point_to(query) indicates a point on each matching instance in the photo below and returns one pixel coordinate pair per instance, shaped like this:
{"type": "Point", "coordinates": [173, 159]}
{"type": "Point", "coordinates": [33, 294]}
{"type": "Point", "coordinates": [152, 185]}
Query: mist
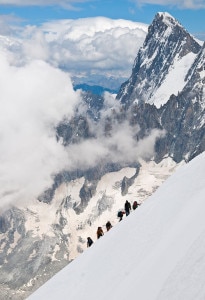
{"type": "Point", "coordinates": [34, 98]}
{"type": "Point", "coordinates": [119, 147]}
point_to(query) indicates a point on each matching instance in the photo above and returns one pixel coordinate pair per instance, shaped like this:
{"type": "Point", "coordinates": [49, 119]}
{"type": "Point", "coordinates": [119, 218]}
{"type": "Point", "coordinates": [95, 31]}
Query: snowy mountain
{"type": "Point", "coordinates": [167, 84]}
{"type": "Point", "coordinates": [168, 53]}
{"type": "Point", "coordinates": [117, 149]}
{"type": "Point", "coordinates": [156, 253]}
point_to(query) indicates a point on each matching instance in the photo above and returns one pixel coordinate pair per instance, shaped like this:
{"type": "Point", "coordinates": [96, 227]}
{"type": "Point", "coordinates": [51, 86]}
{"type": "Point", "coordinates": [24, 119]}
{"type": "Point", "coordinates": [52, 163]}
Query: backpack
{"type": "Point", "coordinates": [119, 214]}
{"type": "Point", "coordinates": [135, 204]}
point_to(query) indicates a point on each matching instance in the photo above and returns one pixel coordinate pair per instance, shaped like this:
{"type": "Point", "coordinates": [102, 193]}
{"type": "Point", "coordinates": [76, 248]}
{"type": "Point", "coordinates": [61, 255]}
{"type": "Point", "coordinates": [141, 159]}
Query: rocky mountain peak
{"type": "Point", "coordinates": [167, 30]}
{"type": "Point", "coordinates": [166, 43]}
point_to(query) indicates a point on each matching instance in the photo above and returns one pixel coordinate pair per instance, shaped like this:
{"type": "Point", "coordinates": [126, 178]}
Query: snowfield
{"type": "Point", "coordinates": [155, 253]}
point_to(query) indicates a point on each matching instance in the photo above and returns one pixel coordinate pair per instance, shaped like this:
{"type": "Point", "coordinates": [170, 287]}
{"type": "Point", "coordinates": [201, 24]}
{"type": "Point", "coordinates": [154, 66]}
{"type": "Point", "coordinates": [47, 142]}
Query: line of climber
{"type": "Point", "coordinates": [127, 209]}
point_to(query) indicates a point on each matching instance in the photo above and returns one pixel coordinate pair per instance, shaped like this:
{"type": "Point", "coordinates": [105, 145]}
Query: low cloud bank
{"type": "Point", "coordinates": [120, 147]}
{"type": "Point", "coordinates": [33, 100]}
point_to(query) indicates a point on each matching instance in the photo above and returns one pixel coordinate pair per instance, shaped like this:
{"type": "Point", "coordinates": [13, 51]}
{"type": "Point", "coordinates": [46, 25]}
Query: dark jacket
{"type": "Point", "coordinates": [89, 242]}
{"type": "Point", "coordinates": [108, 225]}
{"type": "Point", "coordinates": [127, 206]}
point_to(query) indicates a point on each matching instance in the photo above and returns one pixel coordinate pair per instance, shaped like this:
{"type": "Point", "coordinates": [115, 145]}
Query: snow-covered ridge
{"type": "Point", "coordinates": [170, 85]}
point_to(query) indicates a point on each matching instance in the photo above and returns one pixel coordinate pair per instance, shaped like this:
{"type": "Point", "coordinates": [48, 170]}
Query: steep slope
{"type": "Point", "coordinates": [168, 51]}
{"type": "Point", "coordinates": [156, 253]}
{"type": "Point", "coordinates": [38, 240]}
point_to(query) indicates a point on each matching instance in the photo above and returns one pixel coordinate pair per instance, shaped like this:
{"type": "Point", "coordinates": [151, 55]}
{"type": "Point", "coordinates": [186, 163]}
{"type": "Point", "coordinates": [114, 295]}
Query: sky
{"type": "Point", "coordinates": [157, 252]}
{"type": "Point", "coordinates": [189, 12]}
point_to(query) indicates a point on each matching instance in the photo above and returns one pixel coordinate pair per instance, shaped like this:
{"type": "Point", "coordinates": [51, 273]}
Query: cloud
{"type": "Point", "coordinates": [120, 146]}
{"type": "Point", "coordinates": [67, 4]}
{"type": "Point", "coordinates": [82, 47]}
{"type": "Point", "coordinates": [183, 4]}
{"type": "Point", "coordinates": [33, 100]}
{"type": "Point", "coordinates": [7, 24]}
{"type": "Point", "coordinates": [71, 4]}
{"type": "Point", "coordinates": [35, 95]}
{"type": "Point", "coordinates": [36, 47]}
{"type": "Point", "coordinates": [95, 45]}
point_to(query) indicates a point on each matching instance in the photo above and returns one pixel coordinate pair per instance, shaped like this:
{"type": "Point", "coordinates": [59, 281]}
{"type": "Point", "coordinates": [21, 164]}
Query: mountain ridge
{"type": "Point", "coordinates": [155, 58]}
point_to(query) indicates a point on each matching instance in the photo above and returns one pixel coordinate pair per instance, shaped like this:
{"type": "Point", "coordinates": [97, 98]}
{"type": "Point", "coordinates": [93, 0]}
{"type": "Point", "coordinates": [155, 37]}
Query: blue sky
{"type": "Point", "coordinates": [190, 14]}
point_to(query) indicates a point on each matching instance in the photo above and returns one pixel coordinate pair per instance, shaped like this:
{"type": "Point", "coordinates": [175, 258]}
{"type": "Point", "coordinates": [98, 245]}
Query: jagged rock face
{"type": "Point", "coordinates": [165, 41]}
{"type": "Point", "coordinates": [27, 260]}
{"type": "Point", "coordinates": [182, 115]}
{"type": "Point", "coordinates": [186, 137]}
{"type": "Point", "coordinates": [195, 85]}
{"type": "Point", "coordinates": [74, 130]}
{"type": "Point", "coordinates": [127, 182]}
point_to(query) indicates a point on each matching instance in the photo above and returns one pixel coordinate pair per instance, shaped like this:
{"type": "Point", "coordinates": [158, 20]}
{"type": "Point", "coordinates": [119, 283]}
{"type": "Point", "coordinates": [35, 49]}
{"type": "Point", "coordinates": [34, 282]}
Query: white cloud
{"type": "Point", "coordinates": [120, 146]}
{"type": "Point", "coordinates": [186, 4]}
{"type": "Point", "coordinates": [33, 99]}
{"type": "Point", "coordinates": [36, 47]}
{"type": "Point", "coordinates": [70, 4]}
{"type": "Point", "coordinates": [35, 96]}
{"type": "Point", "coordinates": [64, 3]}
{"type": "Point", "coordinates": [5, 24]}
{"type": "Point", "coordinates": [84, 46]}
{"type": "Point", "coordinates": [81, 47]}
{"type": "Point", "coordinates": [95, 44]}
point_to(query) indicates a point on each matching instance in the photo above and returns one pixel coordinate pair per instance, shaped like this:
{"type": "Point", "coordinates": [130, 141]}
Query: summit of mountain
{"type": "Point", "coordinates": [168, 52]}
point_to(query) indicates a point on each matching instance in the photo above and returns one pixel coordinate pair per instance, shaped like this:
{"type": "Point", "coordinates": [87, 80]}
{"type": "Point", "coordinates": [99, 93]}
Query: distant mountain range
{"type": "Point", "coordinates": [162, 101]}
{"type": "Point", "coordinates": [94, 89]}
{"type": "Point", "coordinates": [95, 82]}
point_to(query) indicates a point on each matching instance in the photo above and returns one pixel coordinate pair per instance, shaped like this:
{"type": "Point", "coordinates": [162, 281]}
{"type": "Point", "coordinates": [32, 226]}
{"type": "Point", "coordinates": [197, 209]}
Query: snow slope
{"type": "Point", "coordinates": [156, 253]}
{"type": "Point", "coordinates": [170, 85]}
{"type": "Point", "coordinates": [103, 206]}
